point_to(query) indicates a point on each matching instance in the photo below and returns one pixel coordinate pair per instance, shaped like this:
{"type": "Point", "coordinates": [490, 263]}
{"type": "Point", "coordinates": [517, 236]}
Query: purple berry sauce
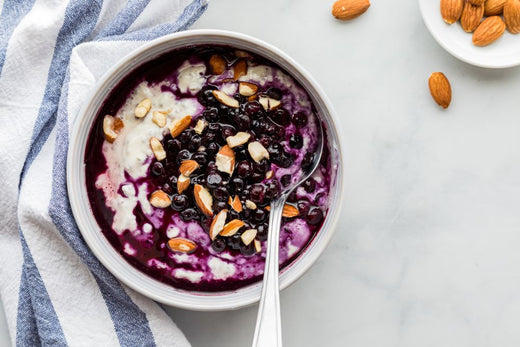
{"type": "Point", "coordinates": [184, 80]}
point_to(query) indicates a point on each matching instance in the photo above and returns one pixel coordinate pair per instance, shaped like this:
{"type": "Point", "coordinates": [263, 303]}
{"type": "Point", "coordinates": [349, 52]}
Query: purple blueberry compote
{"type": "Point", "coordinates": [187, 153]}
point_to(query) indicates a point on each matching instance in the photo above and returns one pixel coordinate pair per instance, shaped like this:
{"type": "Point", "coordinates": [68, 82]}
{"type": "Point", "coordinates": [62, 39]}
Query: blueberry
{"type": "Point", "coordinates": [242, 121]}
{"type": "Point", "coordinates": [234, 241]}
{"type": "Point", "coordinates": [243, 169]}
{"type": "Point", "coordinates": [315, 216]}
{"type": "Point", "coordinates": [212, 167]}
{"type": "Point", "coordinates": [219, 206]}
{"type": "Point", "coordinates": [247, 250]}
{"type": "Point", "coordinates": [262, 231]}
{"type": "Point", "coordinates": [179, 202]}
{"type": "Point", "coordinates": [307, 161]}
{"type": "Point", "coordinates": [254, 108]}
{"type": "Point", "coordinates": [214, 127]}
{"type": "Point", "coordinates": [263, 166]}
{"type": "Point", "coordinates": [309, 185]}
{"type": "Point", "coordinates": [240, 98]}
{"type": "Point", "coordinates": [257, 194]}
{"type": "Point", "coordinates": [201, 158]}
{"type": "Point", "coordinates": [299, 119]}
{"type": "Point", "coordinates": [167, 188]}
{"type": "Point", "coordinates": [265, 140]}
{"type": "Point", "coordinates": [272, 190]}
{"type": "Point", "coordinates": [212, 148]}
{"type": "Point", "coordinates": [279, 131]}
{"type": "Point", "coordinates": [195, 142]}
{"type": "Point", "coordinates": [238, 184]}
{"type": "Point", "coordinates": [241, 153]}
{"type": "Point", "coordinates": [201, 179]}
{"type": "Point", "coordinates": [296, 141]}
{"type": "Point", "coordinates": [274, 93]}
{"type": "Point", "coordinates": [303, 207]}
{"type": "Point", "coordinates": [173, 146]}
{"type": "Point", "coordinates": [173, 181]}
{"type": "Point", "coordinates": [283, 159]}
{"type": "Point", "coordinates": [221, 193]}
{"type": "Point", "coordinates": [157, 168]}
{"type": "Point", "coordinates": [259, 215]}
{"type": "Point", "coordinates": [218, 245]}
{"type": "Point", "coordinates": [213, 180]}
{"type": "Point", "coordinates": [182, 155]}
{"type": "Point", "coordinates": [285, 180]}
{"type": "Point", "coordinates": [281, 116]}
{"type": "Point", "coordinates": [206, 96]}
{"type": "Point", "coordinates": [189, 214]}
{"type": "Point", "coordinates": [211, 114]}
{"type": "Point", "coordinates": [227, 131]}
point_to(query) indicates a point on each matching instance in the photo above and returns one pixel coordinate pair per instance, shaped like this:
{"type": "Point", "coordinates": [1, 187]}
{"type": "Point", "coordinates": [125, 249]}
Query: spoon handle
{"type": "Point", "coordinates": [268, 331]}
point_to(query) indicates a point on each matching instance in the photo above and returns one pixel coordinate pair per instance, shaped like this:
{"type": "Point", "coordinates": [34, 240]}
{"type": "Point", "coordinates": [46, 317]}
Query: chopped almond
{"type": "Point", "coordinates": [157, 148]}
{"type": "Point", "coordinates": [248, 236]}
{"type": "Point", "coordinates": [180, 244]}
{"type": "Point", "coordinates": [239, 139]}
{"type": "Point", "coordinates": [203, 199]}
{"type": "Point", "coordinates": [218, 224]}
{"type": "Point", "coordinates": [188, 166]}
{"type": "Point", "coordinates": [159, 118]}
{"type": "Point", "coordinates": [178, 125]}
{"type": "Point", "coordinates": [258, 246]}
{"type": "Point", "coordinates": [257, 151]}
{"type": "Point", "coordinates": [251, 205]}
{"type": "Point", "coordinates": [225, 99]}
{"type": "Point", "coordinates": [183, 183]}
{"type": "Point", "coordinates": [217, 64]}
{"type": "Point", "coordinates": [289, 211]}
{"type": "Point", "coordinates": [143, 108]}
{"type": "Point", "coordinates": [247, 89]}
{"type": "Point", "coordinates": [269, 174]}
{"type": "Point", "coordinates": [239, 69]}
{"type": "Point", "coordinates": [111, 127]}
{"type": "Point", "coordinates": [232, 227]}
{"type": "Point", "coordinates": [199, 127]}
{"type": "Point", "coordinates": [160, 199]}
{"type": "Point", "coordinates": [269, 103]}
{"type": "Point", "coordinates": [235, 203]}
{"type": "Point", "coordinates": [225, 160]}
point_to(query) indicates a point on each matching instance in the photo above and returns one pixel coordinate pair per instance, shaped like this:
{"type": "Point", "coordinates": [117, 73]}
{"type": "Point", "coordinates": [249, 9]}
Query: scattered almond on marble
{"type": "Point", "coordinates": [440, 89]}
{"type": "Point", "coordinates": [349, 9]}
{"type": "Point", "coordinates": [471, 16]}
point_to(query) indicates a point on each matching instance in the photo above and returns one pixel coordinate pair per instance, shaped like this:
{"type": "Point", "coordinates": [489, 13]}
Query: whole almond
{"type": "Point", "coordinates": [493, 7]}
{"type": "Point", "coordinates": [477, 2]}
{"type": "Point", "coordinates": [451, 10]}
{"type": "Point", "coordinates": [471, 16]}
{"type": "Point", "coordinates": [512, 16]}
{"type": "Point", "coordinates": [489, 31]}
{"type": "Point", "coordinates": [349, 9]}
{"type": "Point", "coordinates": [440, 89]}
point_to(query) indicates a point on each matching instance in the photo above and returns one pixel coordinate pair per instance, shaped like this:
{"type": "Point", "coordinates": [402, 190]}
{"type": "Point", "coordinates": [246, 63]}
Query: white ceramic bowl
{"type": "Point", "coordinates": [90, 230]}
{"type": "Point", "coordinates": [505, 52]}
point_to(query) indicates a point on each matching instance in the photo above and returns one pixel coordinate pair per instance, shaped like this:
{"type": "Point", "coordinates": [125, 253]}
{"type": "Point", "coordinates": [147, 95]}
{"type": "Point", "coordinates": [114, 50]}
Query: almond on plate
{"type": "Point", "coordinates": [489, 31]}
{"type": "Point", "coordinates": [451, 10]}
{"type": "Point", "coordinates": [180, 244]}
{"type": "Point", "coordinates": [111, 127]}
{"type": "Point", "coordinates": [512, 16]}
{"type": "Point", "coordinates": [349, 9]}
{"type": "Point", "coordinates": [203, 199]}
{"type": "Point", "coordinates": [471, 16]}
{"type": "Point", "coordinates": [440, 89]}
{"type": "Point", "coordinates": [494, 7]}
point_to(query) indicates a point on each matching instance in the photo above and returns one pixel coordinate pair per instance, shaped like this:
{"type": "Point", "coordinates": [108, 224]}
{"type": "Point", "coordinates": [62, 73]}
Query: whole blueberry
{"type": "Point", "coordinates": [213, 180]}
{"type": "Point", "coordinates": [218, 245]}
{"type": "Point", "coordinates": [274, 93]}
{"type": "Point", "coordinates": [157, 168]}
{"type": "Point", "coordinates": [257, 194]}
{"type": "Point", "coordinates": [309, 185]}
{"type": "Point", "coordinates": [179, 202]}
{"type": "Point", "coordinates": [296, 141]}
{"type": "Point", "coordinates": [243, 169]}
{"type": "Point", "coordinates": [281, 116]}
{"type": "Point", "coordinates": [299, 119]}
{"type": "Point", "coordinates": [315, 216]}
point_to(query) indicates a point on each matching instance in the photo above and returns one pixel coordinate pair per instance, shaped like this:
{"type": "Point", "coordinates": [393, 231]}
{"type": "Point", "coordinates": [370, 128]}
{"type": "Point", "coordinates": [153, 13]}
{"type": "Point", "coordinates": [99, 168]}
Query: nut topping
{"type": "Point", "coordinates": [235, 203]}
{"type": "Point", "coordinates": [251, 205]}
{"type": "Point", "coordinates": [248, 236]}
{"type": "Point", "coordinates": [258, 246]}
{"type": "Point", "coordinates": [225, 99]}
{"type": "Point", "coordinates": [160, 199]}
{"type": "Point", "coordinates": [143, 108]}
{"type": "Point", "coordinates": [257, 151]}
{"type": "Point", "coordinates": [240, 69]}
{"type": "Point", "coordinates": [180, 244]}
{"type": "Point", "coordinates": [225, 160]}
{"type": "Point", "coordinates": [183, 183]}
{"type": "Point", "coordinates": [157, 148]}
{"type": "Point", "coordinates": [159, 118]}
{"type": "Point", "coordinates": [111, 127]}
{"type": "Point", "coordinates": [239, 139]}
{"type": "Point", "coordinates": [269, 103]}
{"type": "Point", "coordinates": [199, 127]}
{"type": "Point", "coordinates": [217, 64]}
{"type": "Point", "coordinates": [179, 125]}
{"type": "Point", "coordinates": [188, 167]}
{"type": "Point", "coordinates": [247, 89]}
{"type": "Point", "coordinates": [203, 199]}
{"type": "Point", "coordinates": [289, 211]}
{"type": "Point", "coordinates": [218, 224]}
{"type": "Point", "coordinates": [232, 227]}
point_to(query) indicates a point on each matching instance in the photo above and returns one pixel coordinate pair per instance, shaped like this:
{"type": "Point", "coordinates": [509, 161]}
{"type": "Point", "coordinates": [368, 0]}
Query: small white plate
{"type": "Point", "coordinates": [505, 52]}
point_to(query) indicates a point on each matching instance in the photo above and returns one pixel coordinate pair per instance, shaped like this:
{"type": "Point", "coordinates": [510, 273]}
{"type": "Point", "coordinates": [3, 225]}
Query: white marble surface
{"type": "Point", "coordinates": [427, 252]}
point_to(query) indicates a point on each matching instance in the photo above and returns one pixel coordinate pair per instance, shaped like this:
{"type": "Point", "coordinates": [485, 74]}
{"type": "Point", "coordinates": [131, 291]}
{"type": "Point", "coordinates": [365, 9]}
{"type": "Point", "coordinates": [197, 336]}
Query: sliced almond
{"type": "Point", "coordinates": [159, 118]}
{"type": "Point", "coordinates": [180, 244]}
{"type": "Point", "coordinates": [251, 205]}
{"type": "Point", "coordinates": [178, 125]}
{"type": "Point", "coordinates": [225, 99]}
{"type": "Point", "coordinates": [232, 227]}
{"type": "Point", "coordinates": [188, 166]}
{"type": "Point", "coordinates": [248, 236]}
{"type": "Point", "coordinates": [183, 183]}
{"type": "Point", "coordinates": [247, 89]}
{"type": "Point", "coordinates": [239, 139]}
{"type": "Point", "coordinates": [203, 199]}
{"type": "Point", "coordinates": [257, 151]}
{"type": "Point", "coordinates": [242, 54]}
{"type": "Point", "coordinates": [225, 160]}
{"type": "Point", "coordinates": [142, 108]}
{"type": "Point", "coordinates": [157, 148]}
{"type": "Point", "coordinates": [218, 224]}
{"type": "Point", "coordinates": [258, 246]}
{"type": "Point", "coordinates": [239, 69]}
{"type": "Point", "coordinates": [111, 127]}
{"type": "Point", "coordinates": [199, 127]}
{"type": "Point", "coordinates": [269, 174]}
{"type": "Point", "coordinates": [217, 64]}
{"type": "Point", "coordinates": [235, 203]}
{"type": "Point", "coordinates": [269, 103]}
{"type": "Point", "coordinates": [289, 211]}
{"type": "Point", "coordinates": [160, 199]}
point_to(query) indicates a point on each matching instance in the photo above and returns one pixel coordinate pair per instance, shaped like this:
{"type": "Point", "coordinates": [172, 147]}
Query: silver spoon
{"type": "Point", "coordinates": [268, 331]}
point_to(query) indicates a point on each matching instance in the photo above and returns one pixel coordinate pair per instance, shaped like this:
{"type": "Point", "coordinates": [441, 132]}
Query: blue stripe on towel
{"type": "Point", "coordinates": [130, 323]}
{"type": "Point", "coordinates": [124, 18]}
{"type": "Point", "coordinates": [49, 328]}
{"type": "Point", "coordinates": [12, 13]}
{"type": "Point", "coordinates": [26, 328]}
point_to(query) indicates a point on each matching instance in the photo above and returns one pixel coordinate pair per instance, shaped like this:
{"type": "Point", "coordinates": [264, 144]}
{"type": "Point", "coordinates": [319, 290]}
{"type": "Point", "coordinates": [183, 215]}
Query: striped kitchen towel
{"type": "Point", "coordinates": [54, 291]}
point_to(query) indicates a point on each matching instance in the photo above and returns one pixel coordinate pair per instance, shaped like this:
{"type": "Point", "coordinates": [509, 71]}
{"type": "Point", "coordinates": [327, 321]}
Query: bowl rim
{"type": "Point", "coordinates": [124, 271]}
{"type": "Point", "coordinates": [467, 59]}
